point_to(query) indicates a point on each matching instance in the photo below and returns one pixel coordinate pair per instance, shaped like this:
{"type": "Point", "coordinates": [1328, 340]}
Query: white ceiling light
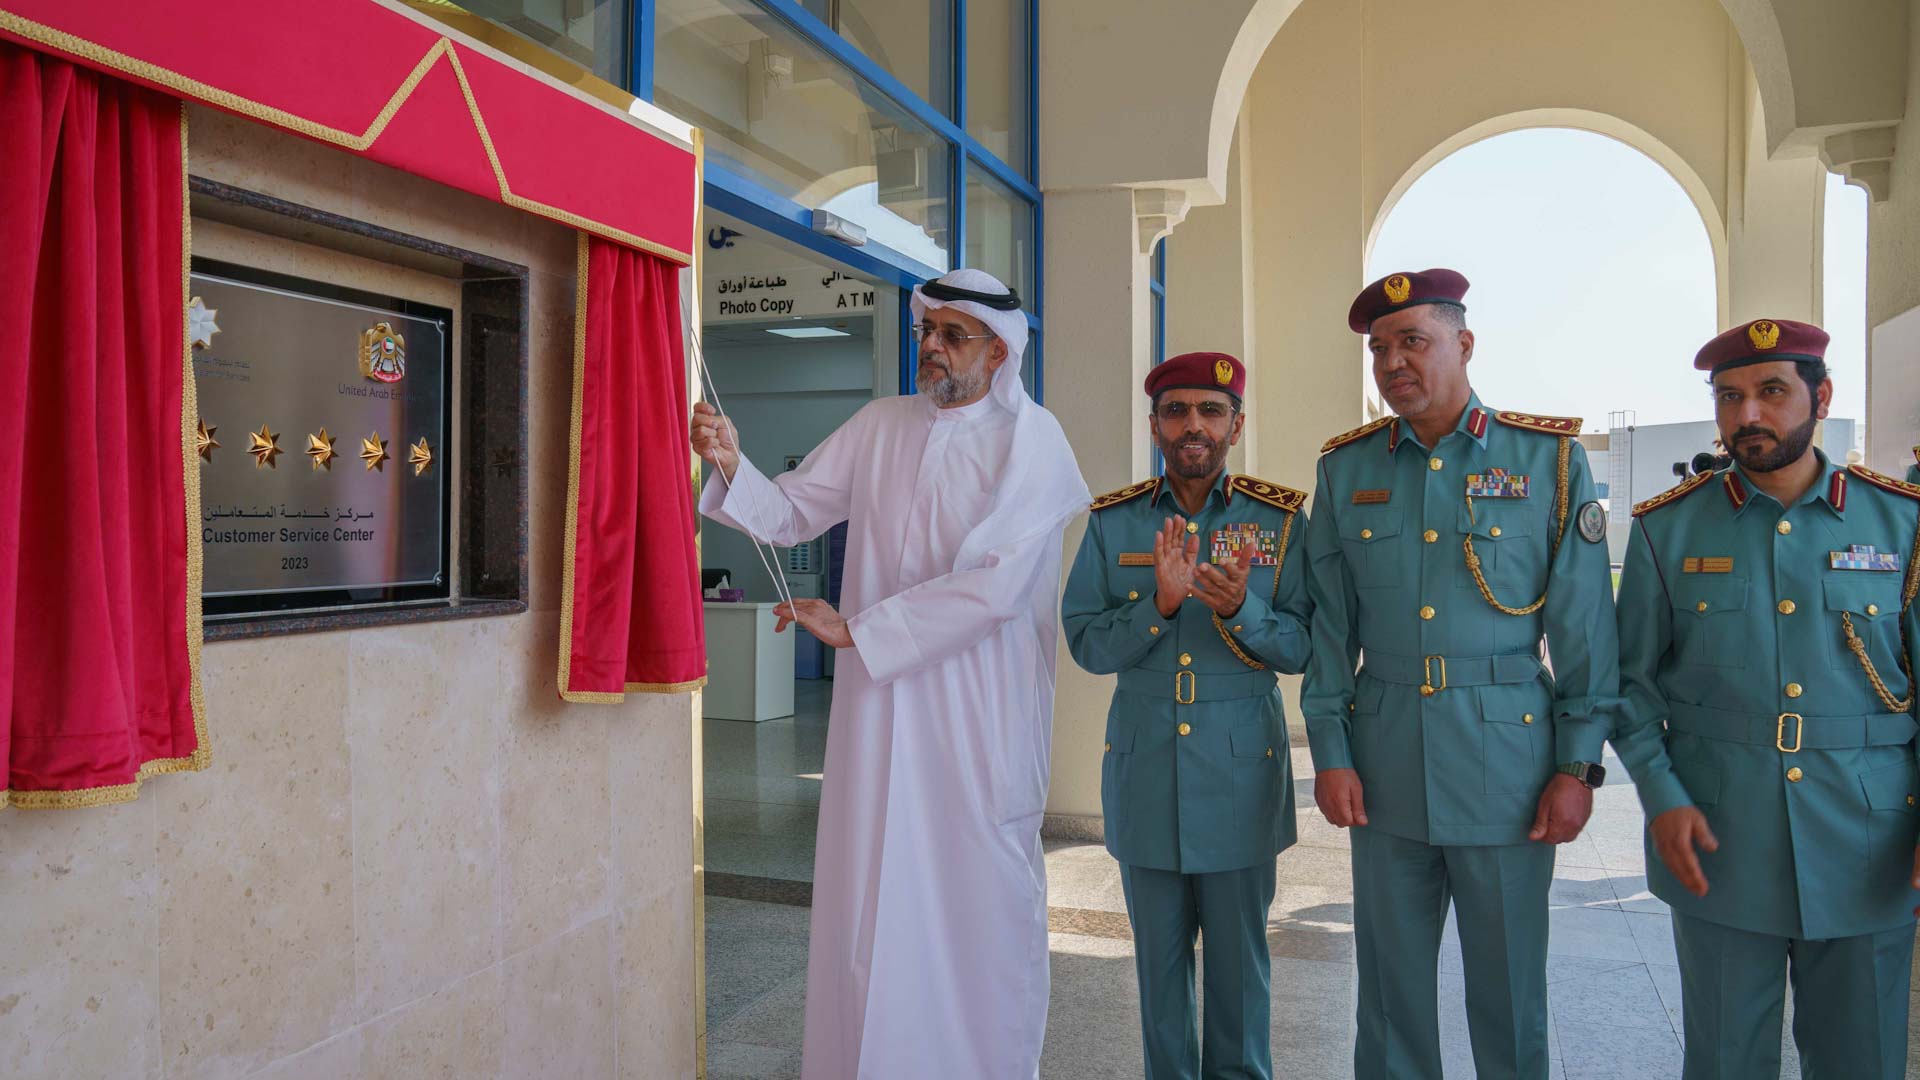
{"type": "Point", "coordinates": [808, 332]}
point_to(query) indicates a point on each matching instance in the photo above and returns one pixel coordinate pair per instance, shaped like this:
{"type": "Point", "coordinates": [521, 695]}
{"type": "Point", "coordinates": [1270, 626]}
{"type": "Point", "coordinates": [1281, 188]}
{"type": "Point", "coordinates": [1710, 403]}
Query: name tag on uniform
{"type": "Point", "coordinates": [1230, 541]}
{"type": "Point", "coordinates": [1707, 564]}
{"type": "Point", "coordinates": [1136, 558]}
{"type": "Point", "coordinates": [1497, 484]}
{"type": "Point", "coordinates": [1864, 557]}
{"type": "Point", "coordinates": [1376, 495]}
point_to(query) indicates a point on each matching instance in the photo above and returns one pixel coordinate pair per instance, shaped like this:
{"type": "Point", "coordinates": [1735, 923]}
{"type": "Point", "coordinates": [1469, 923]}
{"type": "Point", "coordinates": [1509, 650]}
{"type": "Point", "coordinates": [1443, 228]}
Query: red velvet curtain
{"type": "Point", "coordinates": [630, 603]}
{"type": "Point", "coordinates": [99, 574]}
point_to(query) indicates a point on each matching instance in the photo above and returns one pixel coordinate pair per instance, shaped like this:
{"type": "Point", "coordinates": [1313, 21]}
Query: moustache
{"type": "Point", "coordinates": [1746, 432]}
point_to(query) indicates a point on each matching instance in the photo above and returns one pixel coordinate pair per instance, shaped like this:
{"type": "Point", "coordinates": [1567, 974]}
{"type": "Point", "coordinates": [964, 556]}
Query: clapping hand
{"type": "Point", "coordinates": [1174, 552]}
{"type": "Point", "coordinates": [1223, 586]}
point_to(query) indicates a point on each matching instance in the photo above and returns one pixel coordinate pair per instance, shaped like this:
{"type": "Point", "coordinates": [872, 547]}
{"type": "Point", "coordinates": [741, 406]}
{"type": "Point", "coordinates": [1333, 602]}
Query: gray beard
{"type": "Point", "coordinates": [953, 387]}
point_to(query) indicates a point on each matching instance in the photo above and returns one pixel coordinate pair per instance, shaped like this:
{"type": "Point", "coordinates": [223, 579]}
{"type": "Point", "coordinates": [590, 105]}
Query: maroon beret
{"type": "Point", "coordinates": [1396, 292]}
{"type": "Point", "coordinates": [1762, 341]}
{"type": "Point", "coordinates": [1199, 371]}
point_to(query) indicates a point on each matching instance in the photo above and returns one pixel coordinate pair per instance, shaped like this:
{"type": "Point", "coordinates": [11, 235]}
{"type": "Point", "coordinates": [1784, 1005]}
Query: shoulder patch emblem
{"type": "Point", "coordinates": [1125, 494]}
{"type": "Point", "coordinates": [1885, 482]}
{"type": "Point", "coordinates": [1356, 434]}
{"type": "Point", "coordinates": [1285, 498]}
{"type": "Point", "coordinates": [1551, 425]}
{"type": "Point", "coordinates": [1672, 494]}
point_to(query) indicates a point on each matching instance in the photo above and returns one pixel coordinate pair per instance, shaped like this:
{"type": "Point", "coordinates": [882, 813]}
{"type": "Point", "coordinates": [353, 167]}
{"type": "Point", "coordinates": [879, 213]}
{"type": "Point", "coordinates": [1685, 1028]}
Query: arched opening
{"type": "Point", "coordinates": [1594, 272]}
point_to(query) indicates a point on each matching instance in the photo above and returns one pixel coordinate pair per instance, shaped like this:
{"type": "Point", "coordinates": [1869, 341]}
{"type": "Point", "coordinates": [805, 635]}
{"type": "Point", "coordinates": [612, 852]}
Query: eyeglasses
{"type": "Point", "coordinates": [1210, 411]}
{"type": "Point", "coordinates": [941, 336]}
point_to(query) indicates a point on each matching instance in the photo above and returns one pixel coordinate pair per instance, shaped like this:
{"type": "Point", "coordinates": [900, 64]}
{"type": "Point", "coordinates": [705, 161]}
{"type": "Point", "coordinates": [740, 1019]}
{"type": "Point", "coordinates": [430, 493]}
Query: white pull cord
{"type": "Point", "coordinates": [769, 557]}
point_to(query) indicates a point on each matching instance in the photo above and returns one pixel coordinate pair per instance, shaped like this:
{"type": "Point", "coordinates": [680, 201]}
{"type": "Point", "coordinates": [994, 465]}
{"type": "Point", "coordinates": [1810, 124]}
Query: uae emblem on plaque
{"type": "Point", "coordinates": [383, 353]}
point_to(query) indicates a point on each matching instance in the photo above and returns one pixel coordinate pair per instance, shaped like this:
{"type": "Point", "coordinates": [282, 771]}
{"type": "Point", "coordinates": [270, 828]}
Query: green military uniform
{"type": "Point", "coordinates": [1196, 783]}
{"type": "Point", "coordinates": [1747, 699]}
{"type": "Point", "coordinates": [1435, 570]}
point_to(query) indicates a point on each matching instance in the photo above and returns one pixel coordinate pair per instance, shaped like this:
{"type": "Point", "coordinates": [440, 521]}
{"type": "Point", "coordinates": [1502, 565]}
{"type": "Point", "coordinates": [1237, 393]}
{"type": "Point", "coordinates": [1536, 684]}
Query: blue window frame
{"type": "Point", "coordinates": [733, 192]}
{"type": "Point", "coordinates": [1157, 285]}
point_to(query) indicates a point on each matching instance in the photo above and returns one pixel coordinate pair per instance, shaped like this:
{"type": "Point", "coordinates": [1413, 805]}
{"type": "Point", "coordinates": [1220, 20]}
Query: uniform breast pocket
{"type": "Point", "coordinates": [1369, 539]}
{"type": "Point", "coordinates": [1511, 557]}
{"type": "Point", "coordinates": [1871, 602]}
{"type": "Point", "coordinates": [1709, 612]}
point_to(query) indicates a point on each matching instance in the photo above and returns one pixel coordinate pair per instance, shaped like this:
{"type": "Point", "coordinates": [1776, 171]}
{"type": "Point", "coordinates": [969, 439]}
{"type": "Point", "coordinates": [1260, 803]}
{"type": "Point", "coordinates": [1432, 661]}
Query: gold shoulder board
{"type": "Point", "coordinates": [1551, 425]}
{"type": "Point", "coordinates": [1671, 494]}
{"type": "Point", "coordinates": [1285, 498]}
{"type": "Point", "coordinates": [1356, 434]}
{"type": "Point", "coordinates": [1885, 482]}
{"type": "Point", "coordinates": [1131, 491]}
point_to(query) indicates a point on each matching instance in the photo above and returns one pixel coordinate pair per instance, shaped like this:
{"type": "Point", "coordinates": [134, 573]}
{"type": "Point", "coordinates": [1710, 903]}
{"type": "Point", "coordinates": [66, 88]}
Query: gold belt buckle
{"type": "Point", "coordinates": [1430, 688]}
{"type": "Point", "coordinates": [1191, 685]}
{"type": "Point", "coordinates": [1780, 732]}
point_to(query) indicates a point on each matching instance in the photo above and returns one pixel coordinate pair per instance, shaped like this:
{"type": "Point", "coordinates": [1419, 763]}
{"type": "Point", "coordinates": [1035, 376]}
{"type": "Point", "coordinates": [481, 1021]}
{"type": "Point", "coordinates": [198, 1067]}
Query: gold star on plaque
{"type": "Point", "coordinates": [265, 444]}
{"type": "Point", "coordinates": [419, 456]}
{"type": "Point", "coordinates": [320, 449]}
{"type": "Point", "coordinates": [374, 453]}
{"type": "Point", "coordinates": [204, 442]}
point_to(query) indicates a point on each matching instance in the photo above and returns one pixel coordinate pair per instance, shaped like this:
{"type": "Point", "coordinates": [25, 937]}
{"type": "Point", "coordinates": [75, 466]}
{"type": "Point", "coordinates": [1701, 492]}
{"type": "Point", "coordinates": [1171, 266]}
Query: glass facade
{"type": "Point", "coordinates": [997, 78]}
{"type": "Point", "coordinates": [999, 231]}
{"type": "Point", "coordinates": [782, 113]}
{"type": "Point", "coordinates": [911, 118]}
{"type": "Point", "coordinates": [590, 33]}
{"type": "Point", "coordinates": [912, 41]}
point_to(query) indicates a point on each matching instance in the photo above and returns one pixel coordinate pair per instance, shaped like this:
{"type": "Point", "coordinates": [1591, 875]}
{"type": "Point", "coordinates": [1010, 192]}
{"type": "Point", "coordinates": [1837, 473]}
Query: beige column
{"type": "Point", "coordinates": [1776, 235]}
{"type": "Point", "coordinates": [1210, 285]}
{"type": "Point", "coordinates": [1893, 295]}
{"type": "Point", "coordinates": [1097, 352]}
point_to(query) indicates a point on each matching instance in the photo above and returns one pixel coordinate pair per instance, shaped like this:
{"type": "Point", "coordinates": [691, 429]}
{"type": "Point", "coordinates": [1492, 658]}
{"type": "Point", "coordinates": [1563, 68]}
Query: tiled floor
{"type": "Point", "coordinates": [1613, 994]}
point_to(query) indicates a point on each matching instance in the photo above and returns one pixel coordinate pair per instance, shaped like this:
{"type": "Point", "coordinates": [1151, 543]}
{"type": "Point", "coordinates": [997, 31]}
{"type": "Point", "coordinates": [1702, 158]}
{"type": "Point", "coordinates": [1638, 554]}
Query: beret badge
{"type": "Point", "coordinates": [1223, 372]}
{"type": "Point", "coordinates": [1398, 288]}
{"type": "Point", "coordinates": [1764, 334]}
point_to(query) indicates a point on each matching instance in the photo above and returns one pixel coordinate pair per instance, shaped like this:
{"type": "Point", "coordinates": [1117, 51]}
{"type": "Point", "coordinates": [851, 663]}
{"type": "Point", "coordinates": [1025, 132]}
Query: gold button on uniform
{"type": "Point", "coordinates": [1109, 748]}
{"type": "Point", "coordinates": [1527, 719]}
{"type": "Point", "coordinates": [1133, 594]}
{"type": "Point", "coordinates": [1185, 729]}
{"type": "Point", "coordinates": [1701, 606]}
{"type": "Point", "coordinates": [1193, 526]}
{"type": "Point", "coordinates": [1495, 531]}
{"type": "Point", "coordinates": [1270, 754]}
{"type": "Point", "coordinates": [1435, 464]}
{"type": "Point", "coordinates": [1237, 629]}
{"type": "Point", "coordinates": [1185, 659]}
{"type": "Point", "coordinates": [1909, 800]}
{"type": "Point", "coordinates": [1783, 528]}
{"type": "Point", "coordinates": [1786, 607]}
{"type": "Point", "coordinates": [1154, 630]}
{"type": "Point", "coordinates": [1366, 534]}
{"type": "Point", "coordinates": [1873, 609]}
{"type": "Point", "coordinates": [1426, 612]}
{"type": "Point", "coordinates": [1793, 689]}
{"type": "Point", "coordinates": [1794, 774]}
{"type": "Point", "coordinates": [1430, 536]}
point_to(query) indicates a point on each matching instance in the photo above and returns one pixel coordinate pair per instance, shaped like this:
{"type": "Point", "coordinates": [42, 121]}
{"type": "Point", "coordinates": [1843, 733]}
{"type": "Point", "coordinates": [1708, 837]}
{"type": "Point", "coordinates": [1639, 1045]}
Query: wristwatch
{"type": "Point", "coordinates": [1586, 772]}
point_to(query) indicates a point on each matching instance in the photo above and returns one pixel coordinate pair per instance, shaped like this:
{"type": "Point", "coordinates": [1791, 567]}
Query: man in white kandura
{"type": "Point", "coordinates": [928, 956]}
